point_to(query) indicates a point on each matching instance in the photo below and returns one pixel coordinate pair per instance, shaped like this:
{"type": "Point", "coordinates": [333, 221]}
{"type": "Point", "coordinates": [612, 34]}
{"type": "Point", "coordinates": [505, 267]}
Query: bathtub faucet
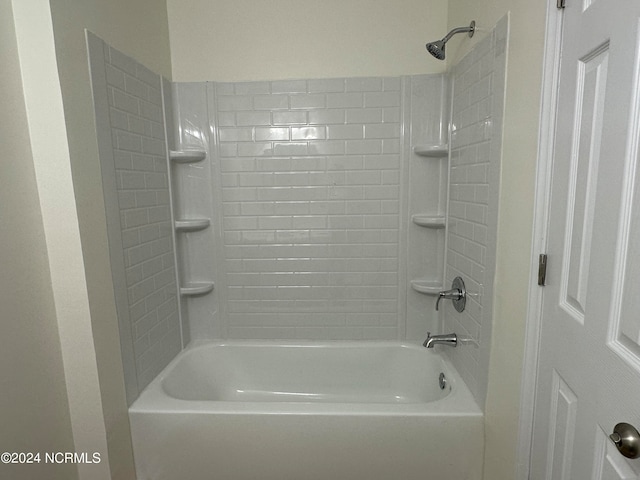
{"type": "Point", "coordinates": [450, 339]}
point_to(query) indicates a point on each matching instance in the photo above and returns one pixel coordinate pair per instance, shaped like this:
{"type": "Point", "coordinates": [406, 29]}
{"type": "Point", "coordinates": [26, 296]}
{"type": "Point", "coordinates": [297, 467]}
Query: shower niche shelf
{"type": "Point", "coordinates": [426, 286]}
{"type": "Point", "coordinates": [196, 288]}
{"type": "Point", "coordinates": [187, 156]}
{"type": "Point", "coordinates": [431, 150]}
{"type": "Point", "coordinates": [428, 221]}
{"type": "Point", "coordinates": [192, 224]}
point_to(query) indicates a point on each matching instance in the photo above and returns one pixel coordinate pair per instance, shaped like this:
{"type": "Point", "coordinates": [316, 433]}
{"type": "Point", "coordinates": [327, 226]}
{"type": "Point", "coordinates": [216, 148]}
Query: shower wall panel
{"type": "Point", "coordinates": [131, 137]}
{"type": "Point", "coordinates": [476, 150]}
{"type": "Point", "coordinates": [310, 177]}
{"type": "Point", "coordinates": [426, 114]}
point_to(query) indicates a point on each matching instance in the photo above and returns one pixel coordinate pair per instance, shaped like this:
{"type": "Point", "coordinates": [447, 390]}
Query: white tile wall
{"type": "Point", "coordinates": [138, 151]}
{"type": "Point", "coordinates": [476, 148]}
{"type": "Point", "coordinates": [311, 196]}
{"type": "Point", "coordinates": [143, 194]}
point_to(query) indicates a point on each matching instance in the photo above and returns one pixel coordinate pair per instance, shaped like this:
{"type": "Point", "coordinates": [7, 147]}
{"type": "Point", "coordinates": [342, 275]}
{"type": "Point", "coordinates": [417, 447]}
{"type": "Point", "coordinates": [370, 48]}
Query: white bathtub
{"type": "Point", "coordinates": [307, 411]}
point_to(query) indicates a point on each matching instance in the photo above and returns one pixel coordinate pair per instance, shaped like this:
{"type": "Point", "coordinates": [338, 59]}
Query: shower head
{"type": "Point", "coordinates": [437, 48]}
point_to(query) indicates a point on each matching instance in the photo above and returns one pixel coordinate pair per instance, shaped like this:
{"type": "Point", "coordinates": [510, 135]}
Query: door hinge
{"type": "Point", "coordinates": [560, 3]}
{"type": "Point", "coordinates": [542, 269]}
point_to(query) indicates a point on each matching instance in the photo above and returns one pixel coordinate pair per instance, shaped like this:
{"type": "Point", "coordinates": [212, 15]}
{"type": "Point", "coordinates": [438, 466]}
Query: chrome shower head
{"type": "Point", "coordinates": [437, 48]}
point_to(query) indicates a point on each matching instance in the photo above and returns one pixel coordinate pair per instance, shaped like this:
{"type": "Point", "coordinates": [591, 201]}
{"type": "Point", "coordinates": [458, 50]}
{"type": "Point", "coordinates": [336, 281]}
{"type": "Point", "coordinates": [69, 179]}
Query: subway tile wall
{"type": "Point", "coordinates": [476, 148]}
{"type": "Point", "coordinates": [310, 177]}
{"type": "Point", "coordinates": [139, 162]}
{"type": "Point", "coordinates": [143, 196]}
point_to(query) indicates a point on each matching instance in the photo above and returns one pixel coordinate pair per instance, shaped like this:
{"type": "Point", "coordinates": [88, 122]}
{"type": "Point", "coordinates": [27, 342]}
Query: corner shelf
{"type": "Point", "coordinates": [431, 150]}
{"type": "Point", "coordinates": [192, 224]}
{"type": "Point", "coordinates": [196, 288]}
{"type": "Point", "coordinates": [428, 221]}
{"type": "Point", "coordinates": [187, 156]}
{"type": "Point", "coordinates": [427, 287]}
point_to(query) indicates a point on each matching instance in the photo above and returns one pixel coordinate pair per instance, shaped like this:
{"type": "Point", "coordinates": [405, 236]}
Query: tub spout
{"type": "Point", "coordinates": [450, 339]}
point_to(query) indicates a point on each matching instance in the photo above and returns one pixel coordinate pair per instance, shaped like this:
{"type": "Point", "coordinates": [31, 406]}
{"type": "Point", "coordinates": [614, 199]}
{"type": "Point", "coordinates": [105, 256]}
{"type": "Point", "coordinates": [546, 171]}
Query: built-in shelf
{"type": "Point", "coordinates": [196, 288]}
{"type": "Point", "coordinates": [428, 221]}
{"type": "Point", "coordinates": [428, 287]}
{"type": "Point", "coordinates": [191, 155]}
{"type": "Point", "coordinates": [192, 224]}
{"type": "Point", "coordinates": [431, 150]}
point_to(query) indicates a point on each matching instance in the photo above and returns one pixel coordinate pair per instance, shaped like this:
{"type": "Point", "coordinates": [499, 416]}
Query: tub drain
{"type": "Point", "coordinates": [442, 381]}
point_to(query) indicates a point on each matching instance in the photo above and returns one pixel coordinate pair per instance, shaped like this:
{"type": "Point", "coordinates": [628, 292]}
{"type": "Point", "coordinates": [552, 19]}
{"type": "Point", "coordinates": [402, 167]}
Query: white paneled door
{"type": "Point", "coordinates": [589, 360]}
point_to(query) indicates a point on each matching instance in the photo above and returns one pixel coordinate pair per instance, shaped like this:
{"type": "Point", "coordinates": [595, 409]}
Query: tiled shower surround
{"type": "Point", "coordinates": [476, 146]}
{"type": "Point", "coordinates": [311, 199]}
{"type": "Point", "coordinates": [313, 204]}
{"type": "Point", "coordinates": [133, 155]}
{"type": "Point", "coordinates": [308, 199]}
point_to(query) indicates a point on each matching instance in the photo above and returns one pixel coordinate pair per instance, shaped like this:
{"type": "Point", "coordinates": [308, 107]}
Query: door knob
{"type": "Point", "coordinates": [627, 439]}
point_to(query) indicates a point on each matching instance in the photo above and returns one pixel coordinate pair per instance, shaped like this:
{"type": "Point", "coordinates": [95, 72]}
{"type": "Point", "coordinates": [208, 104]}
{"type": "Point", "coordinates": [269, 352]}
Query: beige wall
{"type": "Point", "coordinates": [281, 39]}
{"type": "Point", "coordinates": [34, 399]}
{"type": "Point", "coordinates": [47, 132]}
{"type": "Point", "coordinates": [522, 109]}
{"type": "Point", "coordinates": [138, 28]}
{"type": "Point", "coordinates": [77, 347]}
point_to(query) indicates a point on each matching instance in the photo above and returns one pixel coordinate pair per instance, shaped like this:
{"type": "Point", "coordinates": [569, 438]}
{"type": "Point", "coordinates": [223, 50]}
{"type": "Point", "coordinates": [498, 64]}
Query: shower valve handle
{"type": "Point", "coordinates": [457, 294]}
{"type": "Point", "coordinates": [453, 294]}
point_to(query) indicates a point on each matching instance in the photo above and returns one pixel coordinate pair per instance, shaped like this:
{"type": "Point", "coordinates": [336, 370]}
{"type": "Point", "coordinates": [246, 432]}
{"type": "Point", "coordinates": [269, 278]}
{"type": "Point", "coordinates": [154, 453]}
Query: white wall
{"type": "Point", "coordinates": [34, 400]}
{"type": "Point", "coordinates": [520, 136]}
{"type": "Point", "coordinates": [284, 39]}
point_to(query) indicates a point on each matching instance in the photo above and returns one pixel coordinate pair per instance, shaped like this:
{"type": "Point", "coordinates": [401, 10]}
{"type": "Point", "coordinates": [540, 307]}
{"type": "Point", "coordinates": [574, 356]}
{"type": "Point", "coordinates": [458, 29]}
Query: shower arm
{"type": "Point", "coordinates": [469, 29]}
